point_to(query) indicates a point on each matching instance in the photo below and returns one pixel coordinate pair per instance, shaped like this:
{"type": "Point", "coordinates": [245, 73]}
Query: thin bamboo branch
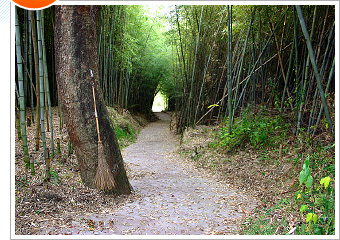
{"type": "Point", "coordinates": [206, 66]}
{"type": "Point", "coordinates": [281, 64]}
{"type": "Point", "coordinates": [245, 79]}
{"type": "Point", "coordinates": [331, 74]}
{"type": "Point", "coordinates": [241, 64]}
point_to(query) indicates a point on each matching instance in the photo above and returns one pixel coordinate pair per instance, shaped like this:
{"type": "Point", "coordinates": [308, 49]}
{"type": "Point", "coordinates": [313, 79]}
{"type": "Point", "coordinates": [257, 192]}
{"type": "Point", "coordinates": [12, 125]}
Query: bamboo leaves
{"type": "Point", "coordinates": [131, 57]}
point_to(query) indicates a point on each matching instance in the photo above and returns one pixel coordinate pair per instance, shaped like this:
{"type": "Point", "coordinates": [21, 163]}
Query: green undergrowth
{"type": "Point", "coordinates": [309, 211]}
{"type": "Point", "coordinates": [267, 223]}
{"type": "Point", "coordinates": [313, 199]}
{"type": "Point", "coordinates": [294, 175]}
{"type": "Point", "coordinates": [258, 129]}
{"type": "Point", "coordinates": [125, 135]}
{"type": "Point", "coordinates": [126, 126]}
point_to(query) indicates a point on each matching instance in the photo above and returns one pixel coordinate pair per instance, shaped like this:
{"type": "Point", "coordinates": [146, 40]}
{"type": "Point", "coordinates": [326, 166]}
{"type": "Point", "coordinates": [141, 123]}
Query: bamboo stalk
{"type": "Point", "coordinates": [195, 55]}
{"type": "Point", "coordinates": [253, 69]}
{"type": "Point", "coordinates": [305, 80]}
{"type": "Point", "coordinates": [244, 80]}
{"type": "Point", "coordinates": [36, 65]}
{"type": "Point", "coordinates": [70, 148]}
{"type": "Point", "coordinates": [206, 66]}
{"type": "Point", "coordinates": [281, 64]}
{"type": "Point", "coordinates": [316, 71]}
{"type": "Point", "coordinates": [318, 51]}
{"type": "Point", "coordinates": [230, 84]}
{"type": "Point", "coordinates": [31, 64]}
{"type": "Point", "coordinates": [241, 64]}
{"type": "Point", "coordinates": [17, 113]}
{"type": "Point", "coordinates": [25, 33]}
{"type": "Point", "coordinates": [288, 75]}
{"type": "Point", "coordinates": [41, 80]}
{"type": "Point", "coordinates": [326, 91]}
{"type": "Point", "coordinates": [48, 166]}
{"type": "Point", "coordinates": [21, 94]}
{"type": "Point", "coordinates": [46, 83]}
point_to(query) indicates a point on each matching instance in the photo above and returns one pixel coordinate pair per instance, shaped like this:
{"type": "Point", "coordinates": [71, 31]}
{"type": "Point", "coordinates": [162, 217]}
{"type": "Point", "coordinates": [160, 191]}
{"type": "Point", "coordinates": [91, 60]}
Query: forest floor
{"type": "Point", "coordinates": [171, 195]}
{"type": "Point", "coordinates": [181, 186]}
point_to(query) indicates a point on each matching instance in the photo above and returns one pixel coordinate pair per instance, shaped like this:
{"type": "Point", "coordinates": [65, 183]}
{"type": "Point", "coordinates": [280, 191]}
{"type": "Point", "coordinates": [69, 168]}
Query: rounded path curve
{"type": "Point", "coordinates": [173, 198]}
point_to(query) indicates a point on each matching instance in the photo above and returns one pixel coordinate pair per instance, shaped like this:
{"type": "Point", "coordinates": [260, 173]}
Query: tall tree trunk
{"type": "Point", "coordinates": [76, 59]}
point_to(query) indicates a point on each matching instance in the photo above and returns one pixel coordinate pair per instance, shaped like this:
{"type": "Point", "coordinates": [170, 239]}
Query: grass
{"type": "Point", "coordinates": [125, 126]}
{"type": "Point", "coordinates": [270, 221]}
{"type": "Point", "coordinates": [260, 131]}
{"type": "Point", "coordinates": [125, 135]}
{"type": "Point", "coordinates": [310, 199]}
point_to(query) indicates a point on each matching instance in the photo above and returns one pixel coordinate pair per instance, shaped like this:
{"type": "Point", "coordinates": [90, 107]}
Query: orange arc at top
{"type": "Point", "coordinates": [34, 4]}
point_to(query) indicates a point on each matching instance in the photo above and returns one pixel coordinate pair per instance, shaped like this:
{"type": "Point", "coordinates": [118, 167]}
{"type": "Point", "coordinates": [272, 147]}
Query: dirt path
{"type": "Point", "coordinates": [172, 198]}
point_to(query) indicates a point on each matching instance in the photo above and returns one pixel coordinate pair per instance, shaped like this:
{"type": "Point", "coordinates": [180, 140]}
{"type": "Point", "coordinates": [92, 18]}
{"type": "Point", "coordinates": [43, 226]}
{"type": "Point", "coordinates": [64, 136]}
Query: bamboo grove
{"type": "Point", "coordinates": [232, 56]}
{"type": "Point", "coordinates": [133, 58]}
{"type": "Point", "coordinates": [33, 83]}
{"type": "Point", "coordinates": [209, 61]}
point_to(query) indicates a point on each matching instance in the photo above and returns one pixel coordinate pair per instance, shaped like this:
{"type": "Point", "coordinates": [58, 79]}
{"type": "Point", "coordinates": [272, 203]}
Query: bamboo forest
{"type": "Point", "coordinates": [174, 120]}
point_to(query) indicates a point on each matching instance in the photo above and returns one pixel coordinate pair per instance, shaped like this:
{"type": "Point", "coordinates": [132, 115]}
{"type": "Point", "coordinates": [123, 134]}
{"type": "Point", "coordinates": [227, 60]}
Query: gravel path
{"type": "Point", "coordinates": [172, 197]}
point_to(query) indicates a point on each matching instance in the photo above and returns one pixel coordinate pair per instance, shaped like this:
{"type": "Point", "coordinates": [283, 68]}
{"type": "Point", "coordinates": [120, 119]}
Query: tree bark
{"type": "Point", "coordinates": [76, 70]}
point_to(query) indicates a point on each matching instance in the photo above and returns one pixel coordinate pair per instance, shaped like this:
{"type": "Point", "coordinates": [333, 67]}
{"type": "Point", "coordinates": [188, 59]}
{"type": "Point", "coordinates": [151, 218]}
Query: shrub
{"type": "Point", "coordinates": [317, 204]}
{"type": "Point", "coordinates": [260, 130]}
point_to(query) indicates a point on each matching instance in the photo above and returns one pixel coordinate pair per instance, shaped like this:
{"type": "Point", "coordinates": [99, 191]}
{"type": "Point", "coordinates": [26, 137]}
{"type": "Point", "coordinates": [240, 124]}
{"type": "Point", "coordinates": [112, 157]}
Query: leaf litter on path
{"type": "Point", "coordinates": [175, 198]}
{"type": "Point", "coordinates": [171, 196]}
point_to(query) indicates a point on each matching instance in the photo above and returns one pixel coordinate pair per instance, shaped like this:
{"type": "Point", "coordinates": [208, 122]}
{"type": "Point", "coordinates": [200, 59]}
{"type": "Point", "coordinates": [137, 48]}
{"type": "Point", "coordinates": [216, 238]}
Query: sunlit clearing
{"type": "Point", "coordinates": [159, 103]}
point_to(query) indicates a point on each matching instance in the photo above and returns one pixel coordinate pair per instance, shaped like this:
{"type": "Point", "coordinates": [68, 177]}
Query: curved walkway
{"type": "Point", "coordinates": [174, 199]}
